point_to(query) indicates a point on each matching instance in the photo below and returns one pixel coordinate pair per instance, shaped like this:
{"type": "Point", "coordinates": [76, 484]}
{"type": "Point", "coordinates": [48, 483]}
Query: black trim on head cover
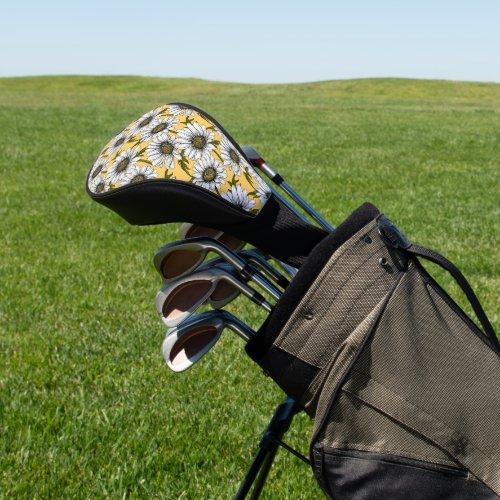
{"type": "Point", "coordinates": [163, 201]}
{"type": "Point", "coordinates": [312, 266]}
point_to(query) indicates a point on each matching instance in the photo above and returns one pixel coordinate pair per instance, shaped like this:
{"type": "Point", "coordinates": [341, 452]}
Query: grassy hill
{"type": "Point", "coordinates": [87, 407]}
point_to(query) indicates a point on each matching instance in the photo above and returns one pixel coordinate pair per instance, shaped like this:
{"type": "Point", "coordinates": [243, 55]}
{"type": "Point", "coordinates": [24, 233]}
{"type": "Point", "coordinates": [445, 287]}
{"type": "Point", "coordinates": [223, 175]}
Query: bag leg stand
{"type": "Point", "coordinates": [268, 446]}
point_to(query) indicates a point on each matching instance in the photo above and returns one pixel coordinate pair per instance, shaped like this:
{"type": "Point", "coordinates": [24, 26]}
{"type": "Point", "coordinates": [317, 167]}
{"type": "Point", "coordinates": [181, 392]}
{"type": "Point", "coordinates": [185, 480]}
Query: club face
{"type": "Point", "coordinates": [182, 348]}
{"type": "Point", "coordinates": [177, 302]}
{"type": "Point", "coordinates": [188, 230]}
{"type": "Point", "coordinates": [172, 262]}
{"type": "Point", "coordinates": [186, 344]}
{"type": "Point", "coordinates": [231, 242]}
{"type": "Point", "coordinates": [224, 292]}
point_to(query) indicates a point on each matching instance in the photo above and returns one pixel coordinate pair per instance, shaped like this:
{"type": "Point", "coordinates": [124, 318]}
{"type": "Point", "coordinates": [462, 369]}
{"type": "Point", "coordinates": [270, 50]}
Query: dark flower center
{"type": "Point", "coordinates": [234, 156]}
{"type": "Point", "coordinates": [198, 141]}
{"type": "Point", "coordinates": [146, 121]}
{"type": "Point", "coordinates": [123, 165]}
{"type": "Point", "coordinates": [159, 128]}
{"type": "Point", "coordinates": [138, 178]}
{"type": "Point", "coordinates": [119, 142]}
{"type": "Point", "coordinates": [97, 171]}
{"type": "Point", "coordinates": [100, 187]}
{"type": "Point", "coordinates": [166, 148]}
{"type": "Point", "coordinates": [209, 174]}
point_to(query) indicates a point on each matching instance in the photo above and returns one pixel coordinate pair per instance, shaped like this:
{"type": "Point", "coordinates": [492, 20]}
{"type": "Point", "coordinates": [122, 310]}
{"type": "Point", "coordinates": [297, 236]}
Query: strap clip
{"type": "Point", "coordinates": [390, 234]}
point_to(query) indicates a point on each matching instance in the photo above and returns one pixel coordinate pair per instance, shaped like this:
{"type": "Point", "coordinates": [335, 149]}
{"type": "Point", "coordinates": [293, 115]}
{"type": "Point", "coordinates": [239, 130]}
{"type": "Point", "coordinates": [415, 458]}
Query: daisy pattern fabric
{"type": "Point", "coordinates": [180, 143]}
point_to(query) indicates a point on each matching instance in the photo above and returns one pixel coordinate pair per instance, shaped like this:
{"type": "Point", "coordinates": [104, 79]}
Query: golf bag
{"type": "Point", "coordinates": [403, 387]}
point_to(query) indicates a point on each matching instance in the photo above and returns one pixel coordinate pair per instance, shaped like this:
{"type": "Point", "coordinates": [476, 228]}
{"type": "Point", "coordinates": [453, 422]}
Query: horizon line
{"type": "Point", "coordinates": [121, 75]}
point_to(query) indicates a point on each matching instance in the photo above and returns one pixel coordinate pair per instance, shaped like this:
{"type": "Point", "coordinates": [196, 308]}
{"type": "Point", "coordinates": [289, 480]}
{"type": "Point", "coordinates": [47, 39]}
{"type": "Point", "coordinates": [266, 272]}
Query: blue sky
{"type": "Point", "coordinates": [254, 41]}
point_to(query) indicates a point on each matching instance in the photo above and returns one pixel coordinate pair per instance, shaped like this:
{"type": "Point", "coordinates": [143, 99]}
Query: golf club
{"type": "Point", "coordinates": [259, 162]}
{"type": "Point", "coordinates": [180, 298]}
{"type": "Point", "coordinates": [185, 344]}
{"type": "Point", "coordinates": [180, 257]}
{"type": "Point", "coordinates": [224, 292]}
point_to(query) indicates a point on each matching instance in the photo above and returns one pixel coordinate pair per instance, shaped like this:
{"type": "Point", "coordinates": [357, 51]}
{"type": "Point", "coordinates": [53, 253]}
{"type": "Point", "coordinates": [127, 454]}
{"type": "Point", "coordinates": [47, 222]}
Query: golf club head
{"type": "Point", "coordinates": [223, 293]}
{"type": "Point", "coordinates": [183, 347]}
{"type": "Point", "coordinates": [182, 257]}
{"type": "Point", "coordinates": [178, 300]}
{"type": "Point", "coordinates": [188, 230]}
{"type": "Point", "coordinates": [186, 344]}
{"type": "Point", "coordinates": [177, 164]}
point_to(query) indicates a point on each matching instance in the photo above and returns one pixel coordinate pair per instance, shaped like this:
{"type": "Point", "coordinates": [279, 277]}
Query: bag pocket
{"type": "Point", "coordinates": [360, 475]}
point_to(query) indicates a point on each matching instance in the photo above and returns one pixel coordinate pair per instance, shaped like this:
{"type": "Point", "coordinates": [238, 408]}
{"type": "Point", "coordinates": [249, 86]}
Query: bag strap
{"type": "Point", "coordinates": [457, 275]}
{"type": "Point", "coordinates": [392, 236]}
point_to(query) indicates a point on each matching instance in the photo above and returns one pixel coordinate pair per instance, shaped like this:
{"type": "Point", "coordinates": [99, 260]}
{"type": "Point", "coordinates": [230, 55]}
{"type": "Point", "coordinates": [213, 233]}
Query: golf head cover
{"type": "Point", "coordinates": [177, 164]}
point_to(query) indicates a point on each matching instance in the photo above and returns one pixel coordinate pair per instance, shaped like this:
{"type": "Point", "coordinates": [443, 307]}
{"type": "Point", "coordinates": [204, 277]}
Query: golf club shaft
{"type": "Point", "coordinates": [255, 257]}
{"type": "Point", "coordinates": [257, 298]}
{"type": "Point", "coordinates": [276, 178]}
{"type": "Point", "coordinates": [244, 332]}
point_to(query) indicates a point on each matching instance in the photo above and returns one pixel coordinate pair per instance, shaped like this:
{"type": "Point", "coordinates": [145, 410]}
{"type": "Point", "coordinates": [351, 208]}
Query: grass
{"type": "Point", "coordinates": [87, 407]}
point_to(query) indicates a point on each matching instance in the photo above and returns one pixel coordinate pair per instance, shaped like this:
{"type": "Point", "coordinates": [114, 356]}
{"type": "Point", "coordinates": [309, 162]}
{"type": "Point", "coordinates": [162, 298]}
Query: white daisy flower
{"type": "Point", "coordinates": [195, 140]}
{"type": "Point", "coordinates": [97, 168]}
{"type": "Point", "coordinates": [230, 156]}
{"type": "Point", "coordinates": [117, 143]}
{"type": "Point", "coordinates": [161, 151]}
{"type": "Point", "coordinates": [124, 161]}
{"type": "Point", "coordinates": [209, 173]}
{"type": "Point", "coordinates": [98, 185]}
{"type": "Point", "coordinates": [263, 190]}
{"type": "Point", "coordinates": [176, 110]}
{"type": "Point", "coordinates": [144, 121]}
{"type": "Point", "coordinates": [239, 197]}
{"type": "Point", "coordinates": [158, 126]}
{"type": "Point", "coordinates": [139, 174]}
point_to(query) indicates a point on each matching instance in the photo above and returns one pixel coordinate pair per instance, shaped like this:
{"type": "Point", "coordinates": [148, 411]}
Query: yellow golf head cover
{"type": "Point", "coordinates": [178, 142]}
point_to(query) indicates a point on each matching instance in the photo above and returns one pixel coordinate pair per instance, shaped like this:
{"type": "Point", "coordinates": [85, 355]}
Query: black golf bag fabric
{"type": "Point", "coordinates": [401, 384]}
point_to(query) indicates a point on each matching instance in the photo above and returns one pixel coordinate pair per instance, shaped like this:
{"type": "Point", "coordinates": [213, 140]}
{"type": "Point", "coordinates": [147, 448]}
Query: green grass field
{"type": "Point", "coordinates": [87, 406]}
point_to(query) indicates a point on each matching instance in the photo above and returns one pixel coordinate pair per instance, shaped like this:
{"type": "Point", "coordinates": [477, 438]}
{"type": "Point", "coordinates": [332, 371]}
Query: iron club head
{"type": "Point", "coordinates": [185, 344]}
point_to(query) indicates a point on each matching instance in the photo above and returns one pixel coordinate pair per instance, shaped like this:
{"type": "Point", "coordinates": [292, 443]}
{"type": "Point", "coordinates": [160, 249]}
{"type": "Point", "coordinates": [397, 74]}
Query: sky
{"type": "Point", "coordinates": [253, 41]}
